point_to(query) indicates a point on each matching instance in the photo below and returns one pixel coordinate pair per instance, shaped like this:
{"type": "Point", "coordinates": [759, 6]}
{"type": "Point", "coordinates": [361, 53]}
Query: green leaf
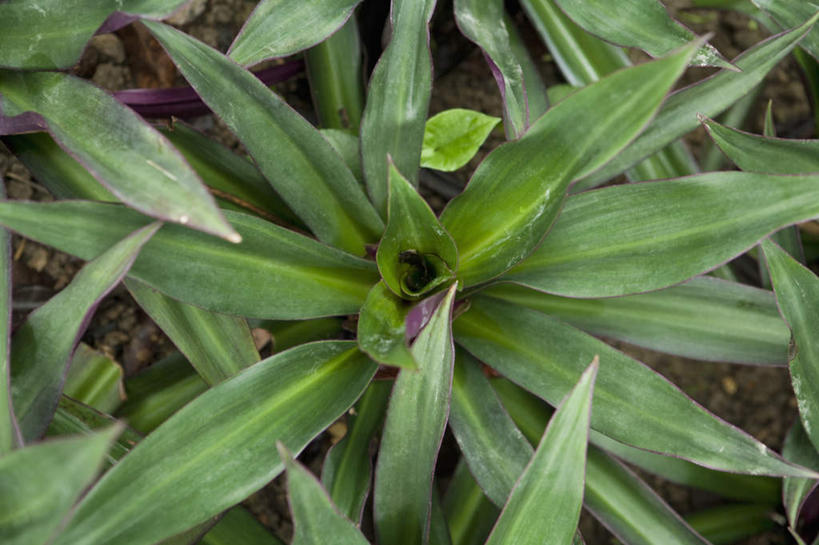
{"type": "Point", "coordinates": [9, 431]}
{"type": "Point", "coordinates": [224, 441]}
{"type": "Point", "coordinates": [272, 273]}
{"type": "Point", "coordinates": [438, 527]}
{"type": "Point", "coordinates": [416, 255]}
{"type": "Point", "coordinates": [217, 345]}
{"type": "Point", "coordinates": [753, 153]}
{"type": "Point", "coordinates": [727, 524]}
{"type": "Point", "coordinates": [412, 434]}
{"type": "Point", "coordinates": [305, 170]}
{"type": "Point", "coordinates": [35, 35]}
{"type": "Point", "coordinates": [644, 24]}
{"type": "Point", "coordinates": [791, 13]}
{"type": "Point", "coordinates": [278, 28]}
{"type": "Point", "coordinates": [709, 97]}
{"type": "Point", "coordinates": [315, 519]}
{"type": "Point", "coordinates": [453, 137]}
{"type": "Point", "coordinates": [518, 190]}
{"type": "Point", "coordinates": [382, 328]}
{"type": "Point", "coordinates": [94, 379]}
{"type": "Point", "coordinates": [469, 513]}
{"type": "Point", "coordinates": [633, 404]}
{"type": "Point", "coordinates": [799, 450]}
{"type": "Point", "coordinates": [548, 496]}
{"type": "Point", "coordinates": [796, 287]}
{"type": "Point", "coordinates": [125, 154]}
{"type": "Point", "coordinates": [398, 100]}
{"type": "Point", "coordinates": [485, 24]}
{"type": "Point", "coordinates": [685, 227]}
{"type": "Point", "coordinates": [239, 527]}
{"type": "Point", "coordinates": [287, 334]}
{"type": "Point", "coordinates": [536, 96]}
{"type": "Point", "coordinates": [347, 470]}
{"type": "Point", "coordinates": [705, 318]}
{"type": "Point", "coordinates": [42, 346]}
{"type": "Point", "coordinates": [39, 484]}
{"type": "Point", "coordinates": [348, 147]}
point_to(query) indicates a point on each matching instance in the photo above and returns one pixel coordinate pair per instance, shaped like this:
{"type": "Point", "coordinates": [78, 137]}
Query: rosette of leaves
{"type": "Point", "coordinates": [478, 318]}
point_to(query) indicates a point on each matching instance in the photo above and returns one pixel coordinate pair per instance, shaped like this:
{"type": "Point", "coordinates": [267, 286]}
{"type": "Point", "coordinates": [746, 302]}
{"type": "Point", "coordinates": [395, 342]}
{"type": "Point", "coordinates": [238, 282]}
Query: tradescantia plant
{"type": "Point", "coordinates": [479, 319]}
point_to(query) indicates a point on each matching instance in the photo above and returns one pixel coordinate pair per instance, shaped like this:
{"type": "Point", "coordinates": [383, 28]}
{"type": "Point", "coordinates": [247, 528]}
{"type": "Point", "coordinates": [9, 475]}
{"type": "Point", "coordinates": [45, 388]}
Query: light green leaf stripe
{"type": "Point", "coordinates": [398, 100]}
{"type": "Point", "coordinates": [685, 227]}
{"type": "Point", "coordinates": [382, 328]}
{"type": "Point", "coordinates": [224, 441]}
{"type": "Point", "coordinates": [518, 189]}
{"type": "Point", "coordinates": [273, 273]}
{"type": "Point", "coordinates": [217, 345]}
{"type": "Point", "coordinates": [414, 426]}
{"type": "Point", "coordinates": [790, 13]}
{"type": "Point", "coordinates": [710, 97]}
{"type": "Point", "coordinates": [305, 170]}
{"type": "Point", "coordinates": [123, 152]}
{"type": "Point", "coordinates": [94, 379]}
{"type": "Point", "coordinates": [416, 255]}
{"type": "Point", "coordinates": [547, 498]}
{"type": "Point", "coordinates": [705, 318]}
{"type": "Point", "coordinates": [39, 484]}
{"type": "Point", "coordinates": [485, 23]}
{"type": "Point", "coordinates": [644, 24]}
{"type": "Point", "coordinates": [453, 137]}
{"type": "Point", "coordinates": [796, 289]}
{"type": "Point", "coordinates": [315, 518]}
{"type": "Point", "coordinates": [42, 346]}
{"type": "Point", "coordinates": [633, 404]}
{"type": "Point", "coordinates": [799, 450]}
{"type": "Point", "coordinates": [238, 526]}
{"type": "Point", "coordinates": [34, 35]}
{"type": "Point", "coordinates": [278, 28]}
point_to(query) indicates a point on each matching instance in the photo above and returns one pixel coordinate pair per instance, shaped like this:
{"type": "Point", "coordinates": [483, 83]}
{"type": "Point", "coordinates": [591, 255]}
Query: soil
{"type": "Point", "coordinates": [757, 399]}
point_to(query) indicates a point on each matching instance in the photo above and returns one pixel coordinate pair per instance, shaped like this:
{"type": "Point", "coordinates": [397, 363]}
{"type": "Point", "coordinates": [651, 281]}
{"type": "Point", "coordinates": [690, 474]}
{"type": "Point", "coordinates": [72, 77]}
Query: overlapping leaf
{"type": "Point", "coordinates": [518, 189]}
{"type": "Point", "coordinates": [790, 13]}
{"type": "Point", "coordinates": [239, 526]}
{"type": "Point", "coordinates": [224, 441]}
{"type": "Point", "coordinates": [382, 328]}
{"type": "Point", "coordinates": [798, 449]}
{"type": "Point", "coordinates": [94, 379]}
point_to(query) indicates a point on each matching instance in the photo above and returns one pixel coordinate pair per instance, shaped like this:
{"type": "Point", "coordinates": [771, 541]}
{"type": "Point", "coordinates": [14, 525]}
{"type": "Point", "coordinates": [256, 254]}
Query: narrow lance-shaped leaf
{"type": "Point", "coordinates": [726, 524]}
{"type": "Point", "coordinates": [537, 99]}
{"type": "Point", "coordinates": [484, 23]}
{"type": "Point", "coordinates": [547, 498]}
{"type": "Point", "coordinates": [42, 346]}
{"type": "Point", "coordinates": [518, 190]}
{"type": "Point", "coordinates": [790, 13]}
{"type": "Point", "coordinates": [453, 137]}
{"type": "Point", "coordinates": [33, 35]}
{"type": "Point", "coordinates": [469, 513]}
{"type": "Point", "coordinates": [412, 435]}
{"type": "Point", "coordinates": [239, 526]}
{"type": "Point", "coordinates": [315, 519]}
{"type": "Point", "coordinates": [633, 404]}
{"type": "Point", "coordinates": [125, 154]}
{"type": "Point", "coordinates": [710, 97]}
{"type": "Point", "coordinates": [278, 28]}
{"type": "Point", "coordinates": [705, 318]}
{"type": "Point", "coordinates": [305, 170]}
{"type": "Point", "coordinates": [273, 273]}
{"type": "Point", "coordinates": [225, 441]}
{"type": "Point", "coordinates": [347, 470]}
{"type": "Point", "coordinates": [40, 483]}
{"type": "Point", "coordinates": [217, 345]}
{"type": "Point", "coordinates": [796, 287]}
{"type": "Point", "coordinates": [9, 432]}
{"type": "Point", "coordinates": [644, 24]}
{"type": "Point", "coordinates": [398, 100]}
{"type": "Point", "coordinates": [795, 490]}
{"type": "Point", "coordinates": [416, 255]}
{"type": "Point", "coordinates": [382, 328]}
{"type": "Point", "coordinates": [94, 379]}
{"type": "Point", "coordinates": [685, 227]}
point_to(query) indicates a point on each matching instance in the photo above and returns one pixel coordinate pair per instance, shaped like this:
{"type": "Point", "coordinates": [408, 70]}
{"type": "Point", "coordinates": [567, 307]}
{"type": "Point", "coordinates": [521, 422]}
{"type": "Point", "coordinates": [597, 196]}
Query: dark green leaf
{"type": "Point", "coordinates": [94, 379]}
{"type": "Point", "coordinates": [224, 441]}
{"type": "Point", "coordinates": [382, 328]}
{"type": "Point", "coordinates": [304, 170]}
{"type": "Point", "coordinates": [727, 524]}
{"type": "Point", "coordinates": [287, 334]}
{"type": "Point", "coordinates": [128, 156]}
{"type": "Point", "coordinates": [278, 28]}
{"type": "Point", "coordinates": [238, 527]}
{"type": "Point", "coordinates": [273, 273]}
{"type": "Point", "coordinates": [348, 147]}
{"type": "Point", "coordinates": [685, 227]}
{"type": "Point", "coordinates": [412, 435]}
{"type": "Point", "coordinates": [397, 100]}
{"type": "Point", "coordinates": [416, 255]}
{"type": "Point", "coordinates": [791, 13]}
{"type": "Point", "coordinates": [536, 96]}
{"type": "Point", "coordinates": [453, 137]}
{"type": "Point", "coordinates": [799, 450]}
{"type": "Point", "coordinates": [469, 513]}
{"type": "Point", "coordinates": [9, 431]}
{"type": "Point", "coordinates": [42, 346]}
{"type": "Point", "coordinates": [518, 190]}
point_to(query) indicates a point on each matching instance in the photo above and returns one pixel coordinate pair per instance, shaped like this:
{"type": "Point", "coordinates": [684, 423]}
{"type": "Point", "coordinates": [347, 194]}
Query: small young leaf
{"type": "Point", "coordinates": [412, 435]}
{"type": "Point", "coordinates": [382, 328]}
{"type": "Point", "coordinates": [315, 519]}
{"type": "Point", "coordinates": [416, 255]}
{"type": "Point", "coordinates": [453, 137]}
{"type": "Point", "coordinates": [94, 379]}
{"type": "Point", "coordinates": [547, 498]}
{"type": "Point", "coordinates": [795, 490]}
{"type": "Point", "coordinates": [42, 346]}
{"type": "Point", "coordinates": [40, 483]}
